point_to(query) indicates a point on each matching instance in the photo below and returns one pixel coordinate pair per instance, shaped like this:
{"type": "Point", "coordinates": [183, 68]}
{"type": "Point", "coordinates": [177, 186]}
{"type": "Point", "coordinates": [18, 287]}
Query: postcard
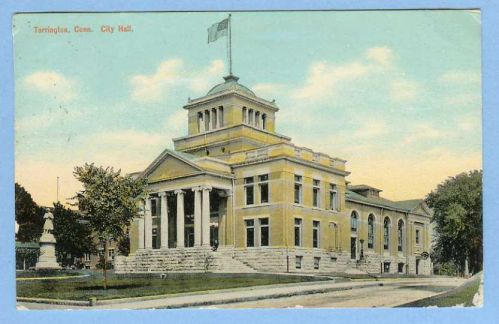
{"type": "Point", "coordinates": [248, 159]}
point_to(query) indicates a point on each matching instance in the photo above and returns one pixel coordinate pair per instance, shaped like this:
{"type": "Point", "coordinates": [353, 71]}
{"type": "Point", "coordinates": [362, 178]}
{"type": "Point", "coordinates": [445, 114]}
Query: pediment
{"type": "Point", "coordinates": [170, 165]}
{"type": "Point", "coordinates": [422, 208]}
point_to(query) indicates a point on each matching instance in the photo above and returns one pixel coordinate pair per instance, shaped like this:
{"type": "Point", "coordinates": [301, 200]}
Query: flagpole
{"type": "Point", "coordinates": [230, 47]}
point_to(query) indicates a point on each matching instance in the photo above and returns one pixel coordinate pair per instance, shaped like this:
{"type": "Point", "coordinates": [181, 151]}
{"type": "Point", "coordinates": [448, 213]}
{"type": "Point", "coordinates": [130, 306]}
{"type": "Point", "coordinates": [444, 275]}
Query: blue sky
{"type": "Point", "coordinates": [396, 93]}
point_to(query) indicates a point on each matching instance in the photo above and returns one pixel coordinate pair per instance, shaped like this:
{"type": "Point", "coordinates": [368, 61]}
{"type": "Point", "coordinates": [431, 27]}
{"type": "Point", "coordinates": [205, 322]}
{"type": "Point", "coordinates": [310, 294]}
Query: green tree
{"type": "Point", "coordinates": [457, 206]}
{"type": "Point", "coordinates": [28, 215]}
{"type": "Point", "coordinates": [108, 201]}
{"type": "Point", "coordinates": [72, 233]}
{"type": "Point", "coordinates": [124, 244]}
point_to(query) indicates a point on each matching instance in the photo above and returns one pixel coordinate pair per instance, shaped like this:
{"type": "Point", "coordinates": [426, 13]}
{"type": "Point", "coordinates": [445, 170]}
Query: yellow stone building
{"type": "Point", "coordinates": [235, 196]}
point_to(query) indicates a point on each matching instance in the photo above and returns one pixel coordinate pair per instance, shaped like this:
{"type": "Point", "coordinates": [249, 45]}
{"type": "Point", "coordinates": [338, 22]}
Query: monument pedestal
{"type": "Point", "coordinates": [47, 258]}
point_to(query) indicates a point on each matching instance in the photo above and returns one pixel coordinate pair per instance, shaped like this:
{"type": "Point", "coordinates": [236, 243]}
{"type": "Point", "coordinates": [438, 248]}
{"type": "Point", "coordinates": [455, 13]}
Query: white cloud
{"type": "Point", "coordinates": [460, 77]}
{"type": "Point", "coordinates": [267, 90]}
{"type": "Point", "coordinates": [52, 84]}
{"type": "Point", "coordinates": [323, 79]}
{"type": "Point", "coordinates": [151, 88]}
{"type": "Point", "coordinates": [370, 129]}
{"type": "Point", "coordinates": [380, 55]}
{"type": "Point", "coordinates": [127, 139]}
{"type": "Point", "coordinates": [177, 122]}
{"type": "Point", "coordinates": [202, 81]}
{"type": "Point", "coordinates": [170, 74]}
{"type": "Point", "coordinates": [464, 99]}
{"type": "Point", "coordinates": [469, 122]}
{"type": "Point", "coordinates": [403, 91]}
{"type": "Point", "coordinates": [425, 131]}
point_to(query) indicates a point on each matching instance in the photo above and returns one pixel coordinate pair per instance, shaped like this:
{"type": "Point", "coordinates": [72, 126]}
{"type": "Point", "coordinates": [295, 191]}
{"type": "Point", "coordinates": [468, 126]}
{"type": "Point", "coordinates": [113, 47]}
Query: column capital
{"type": "Point", "coordinates": [179, 192]}
{"type": "Point", "coordinates": [162, 194]}
{"type": "Point", "coordinates": [206, 187]}
{"type": "Point", "coordinates": [197, 188]}
{"type": "Point", "coordinates": [225, 193]}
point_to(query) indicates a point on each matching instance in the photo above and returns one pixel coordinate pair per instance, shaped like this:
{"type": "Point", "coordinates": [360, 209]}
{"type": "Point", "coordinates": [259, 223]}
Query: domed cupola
{"type": "Point", "coordinates": [230, 84]}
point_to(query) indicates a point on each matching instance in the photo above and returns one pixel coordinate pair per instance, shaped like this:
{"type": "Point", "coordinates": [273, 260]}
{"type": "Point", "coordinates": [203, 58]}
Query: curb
{"type": "Point", "coordinates": [303, 292]}
{"type": "Point", "coordinates": [263, 297]}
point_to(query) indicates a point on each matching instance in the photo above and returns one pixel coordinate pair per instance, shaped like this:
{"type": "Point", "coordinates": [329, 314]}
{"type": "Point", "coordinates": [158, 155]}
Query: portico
{"type": "Point", "coordinates": [191, 228]}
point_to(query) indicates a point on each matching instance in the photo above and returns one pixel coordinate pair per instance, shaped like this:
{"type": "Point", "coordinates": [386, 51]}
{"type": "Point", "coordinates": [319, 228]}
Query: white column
{"type": "Point", "coordinates": [207, 120]}
{"type": "Point", "coordinates": [164, 220]}
{"type": "Point", "coordinates": [148, 224]}
{"type": "Point", "coordinates": [141, 232]}
{"type": "Point", "coordinates": [197, 215]}
{"type": "Point", "coordinates": [219, 117]}
{"type": "Point", "coordinates": [215, 118]}
{"type": "Point", "coordinates": [251, 118]}
{"type": "Point", "coordinates": [201, 122]}
{"type": "Point", "coordinates": [180, 218]}
{"type": "Point", "coordinates": [206, 216]}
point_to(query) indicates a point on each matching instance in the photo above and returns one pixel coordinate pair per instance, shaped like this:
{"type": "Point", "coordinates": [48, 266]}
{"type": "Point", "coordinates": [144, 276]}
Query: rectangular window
{"type": "Point", "coordinates": [316, 193]}
{"type": "Point", "coordinates": [298, 223]}
{"type": "Point", "coordinates": [386, 237]}
{"type": "Point", "coordinates": [263, 186]}
{"type": "Point", "coordinates": [111, 254]}
{"type": "Point", "coordinates": [400, 241]}
{"type": "Point", "coordinates": [316, 233]}
{"type": "Point", "coordinates": [417, 237]}
{"type": "Point", "coordinates": [317, 262]}
{"type": "Point", "coordinates": [249, 190]}
{"type": "Point", "coordinates": [353, 223]}
{"type": "Point", "coordinates": [264, 232]}
{"type": "Point", "coordinates": [333, 197]}
{"type": "Point", "coordinates": [386, 267]}
{"type": "Point", "coordinates": [298, 260]}
{"type": "Point", "coordinates": [298, 188]}
{"type": "Point", "coordinates": [250, 232]}
{"type": "Point", "coordinates": [370, 233]}
{"type": "Point", "coordinates": [401, 268]}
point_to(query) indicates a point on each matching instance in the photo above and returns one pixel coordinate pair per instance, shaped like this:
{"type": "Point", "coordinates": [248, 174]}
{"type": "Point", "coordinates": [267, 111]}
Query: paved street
{"type": "Point", "coordinates": [390, 293]}
{"type": "Point", "coordinates": [386, 296]}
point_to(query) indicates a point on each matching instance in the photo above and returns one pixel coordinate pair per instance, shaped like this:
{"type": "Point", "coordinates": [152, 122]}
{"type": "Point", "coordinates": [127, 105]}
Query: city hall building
{"type": "Point", "coordinates": [236, 196]}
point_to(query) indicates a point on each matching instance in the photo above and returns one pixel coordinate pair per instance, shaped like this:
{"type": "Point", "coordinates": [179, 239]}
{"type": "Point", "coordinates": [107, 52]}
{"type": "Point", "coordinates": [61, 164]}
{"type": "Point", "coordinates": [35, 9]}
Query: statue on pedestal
{"type": "Point", "coordinates": [47, 258]}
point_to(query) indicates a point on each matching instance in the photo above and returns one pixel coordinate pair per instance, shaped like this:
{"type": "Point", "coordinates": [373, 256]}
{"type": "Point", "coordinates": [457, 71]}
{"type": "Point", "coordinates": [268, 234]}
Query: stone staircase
{"type": "Point", "coordinates": [195, 259]}
{"type": "Point", "coordinates": [224, 262]}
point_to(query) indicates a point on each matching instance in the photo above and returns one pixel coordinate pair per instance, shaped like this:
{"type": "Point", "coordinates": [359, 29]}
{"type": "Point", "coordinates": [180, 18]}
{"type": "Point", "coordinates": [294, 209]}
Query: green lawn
{"type": "Point", "coordinates": [462, 295]}
{"type": "Point", "coordinates": [121, 286]}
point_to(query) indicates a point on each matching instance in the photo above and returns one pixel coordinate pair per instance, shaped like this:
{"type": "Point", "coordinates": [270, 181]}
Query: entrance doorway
{"type": "Point", "coordinates": [353, 248]}
{"type": "Point", "coordinates": [189, 236]}
{"type": "Point", "coordinates": [214, 235]}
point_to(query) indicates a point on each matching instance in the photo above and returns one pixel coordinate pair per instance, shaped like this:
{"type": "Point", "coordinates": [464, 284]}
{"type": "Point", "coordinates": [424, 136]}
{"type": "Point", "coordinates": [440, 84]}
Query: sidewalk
{"type": "Point", "coordinates": [241, 295]}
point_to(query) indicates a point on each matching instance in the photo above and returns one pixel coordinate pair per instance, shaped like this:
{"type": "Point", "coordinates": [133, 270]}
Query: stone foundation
{"type": "Point", "coordinates": [262, 259]}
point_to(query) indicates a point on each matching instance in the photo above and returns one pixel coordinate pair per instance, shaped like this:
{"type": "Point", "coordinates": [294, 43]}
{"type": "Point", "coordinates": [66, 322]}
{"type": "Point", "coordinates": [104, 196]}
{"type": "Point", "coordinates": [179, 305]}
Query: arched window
{"type": "Point", "coordinates": [354, 220]}
{"type": "Point", "coordinates": [400, 236]}
{"type": "Point", "coordinates": [370, 232]}
{"type": "Point", "coordinates": [386, 233]}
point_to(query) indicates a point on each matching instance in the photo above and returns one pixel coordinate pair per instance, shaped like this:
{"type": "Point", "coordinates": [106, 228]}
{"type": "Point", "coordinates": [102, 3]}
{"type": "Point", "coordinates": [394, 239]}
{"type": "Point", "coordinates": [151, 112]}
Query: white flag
{"type": "Point", "coordinates": [218, 30]}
